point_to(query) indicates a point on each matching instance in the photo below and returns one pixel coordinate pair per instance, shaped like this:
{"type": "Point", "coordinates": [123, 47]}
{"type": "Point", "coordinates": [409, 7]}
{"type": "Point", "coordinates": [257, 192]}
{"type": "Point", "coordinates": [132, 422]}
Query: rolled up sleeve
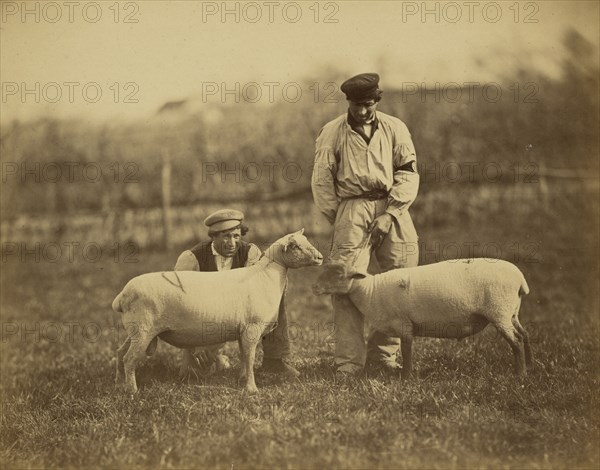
{"type": "Point", "coordinates": [323, 183]}
{"type": "Point", "coordinates": [254, 255]}
{"type": "Point", "coordinates": [406, 178]}
{"type": "Point", "coordinates": [187, 262]}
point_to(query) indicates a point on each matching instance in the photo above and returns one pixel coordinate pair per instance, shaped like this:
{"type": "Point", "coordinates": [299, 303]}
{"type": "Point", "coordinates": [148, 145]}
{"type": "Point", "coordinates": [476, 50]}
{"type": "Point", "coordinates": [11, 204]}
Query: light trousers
{"type": "Point", "coordinates": [399, 249]}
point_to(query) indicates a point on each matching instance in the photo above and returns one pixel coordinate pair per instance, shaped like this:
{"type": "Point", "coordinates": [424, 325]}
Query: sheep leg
{"type": "Point", "coordinates": [248, 349]}
{"type": "Point", "coordinates": [406, 349]}
{"type": "Point", "coordinates": [134, 356]}
{"type": "Point", "coordinates": [120, 353]}
{"type": "Point", "coordinates": [523, 333]}
{"type": "Point", "coordinates": [509, 333]}
{"type": "Point", "coordinates": [251, 387]}
{"type": "Point", "coordinates": [405, 331]}
{"type": "Point", "coordinates": [242, 377]}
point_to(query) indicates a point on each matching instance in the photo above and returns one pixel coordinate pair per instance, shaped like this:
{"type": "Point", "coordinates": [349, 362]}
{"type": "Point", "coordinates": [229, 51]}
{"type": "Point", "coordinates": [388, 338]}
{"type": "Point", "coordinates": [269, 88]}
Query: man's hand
{"type": "Point", "coordinates": [379, 228]}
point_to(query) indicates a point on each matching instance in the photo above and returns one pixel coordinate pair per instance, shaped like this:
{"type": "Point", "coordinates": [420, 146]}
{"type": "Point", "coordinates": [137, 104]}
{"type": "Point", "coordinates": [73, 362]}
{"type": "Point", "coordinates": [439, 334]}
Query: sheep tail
{"type": "Point", "coordinates": [524, 289]}
{"type": "Point", "coordinates": [116, 305]}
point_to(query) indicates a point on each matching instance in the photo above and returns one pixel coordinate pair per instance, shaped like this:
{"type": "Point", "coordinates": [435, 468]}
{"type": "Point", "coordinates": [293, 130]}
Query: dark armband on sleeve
{"type": "Point", "coordinates": [407, 167]}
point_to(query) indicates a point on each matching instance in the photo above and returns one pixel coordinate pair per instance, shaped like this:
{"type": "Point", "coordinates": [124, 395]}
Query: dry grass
{"type": "Point", "coordinates": [60, 407]}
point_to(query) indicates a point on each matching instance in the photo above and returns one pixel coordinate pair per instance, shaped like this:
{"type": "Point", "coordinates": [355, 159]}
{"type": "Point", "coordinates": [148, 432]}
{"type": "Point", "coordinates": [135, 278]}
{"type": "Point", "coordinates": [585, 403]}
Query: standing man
{"type": "Point", "coordinates": [364, 180]}
{"type": "Point", "coordinates": [226, 250]}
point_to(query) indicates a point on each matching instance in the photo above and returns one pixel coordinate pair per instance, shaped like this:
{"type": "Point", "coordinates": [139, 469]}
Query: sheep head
{"type": "Point", "coordinates": [295, 251]}
{"type": "Point", "coordinates": [335, 279]}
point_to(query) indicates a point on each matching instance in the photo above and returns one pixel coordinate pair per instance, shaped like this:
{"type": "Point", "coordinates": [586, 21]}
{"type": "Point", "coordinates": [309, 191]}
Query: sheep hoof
{"type": "Point", "coordinates": [125, 388]}
{"type": "Point", "coordinates": [251, 390]}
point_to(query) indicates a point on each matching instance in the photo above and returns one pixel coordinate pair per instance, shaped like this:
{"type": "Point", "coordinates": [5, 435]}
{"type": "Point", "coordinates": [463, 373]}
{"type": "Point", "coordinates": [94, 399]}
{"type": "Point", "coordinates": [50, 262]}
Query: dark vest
{"type": "Point", "coordinates": [206, 260]}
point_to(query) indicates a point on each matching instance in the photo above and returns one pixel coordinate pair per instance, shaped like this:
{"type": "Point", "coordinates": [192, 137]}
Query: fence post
{"type": "Point", "coordinates": [166, 198]}
{"type": "Point", "coordinates": [544, 184]}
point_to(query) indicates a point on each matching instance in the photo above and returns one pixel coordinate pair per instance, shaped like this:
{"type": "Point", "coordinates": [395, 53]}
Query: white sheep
{"type": "Point", "coordinates": [188, 309]}
{"type": "Point", "coordinates": [450, 299]}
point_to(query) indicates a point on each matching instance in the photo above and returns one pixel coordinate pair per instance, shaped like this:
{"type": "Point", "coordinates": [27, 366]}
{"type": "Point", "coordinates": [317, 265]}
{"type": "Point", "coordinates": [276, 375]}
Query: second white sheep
{"type": "Point", "coordinates": [450, 299]}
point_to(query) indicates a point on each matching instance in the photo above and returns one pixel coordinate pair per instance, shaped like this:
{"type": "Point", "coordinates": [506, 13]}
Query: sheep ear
{"type": "Point", "coordinates": [357, 275]}
{"type": "Point", "coordinates": [300, 232]}
{"type": "Point", "coordinates": [290, 242]}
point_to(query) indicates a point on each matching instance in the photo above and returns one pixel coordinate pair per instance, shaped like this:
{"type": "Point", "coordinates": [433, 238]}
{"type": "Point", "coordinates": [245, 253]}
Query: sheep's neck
{"type": "Point", "coordinates": [271, 276]}
{"type": "Point", "coordinates": [275, 255]}
{"type": "Point", "coordinates": [361, 293]}
{"type": "Point", "coordinates": [373, 307]}
{"type": "Point", "coordinates": [273, 260]}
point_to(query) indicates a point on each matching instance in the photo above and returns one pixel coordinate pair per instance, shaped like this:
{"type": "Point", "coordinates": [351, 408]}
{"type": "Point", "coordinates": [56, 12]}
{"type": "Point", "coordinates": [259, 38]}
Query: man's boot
{"type": "Point", "coordinates": [279, 366]}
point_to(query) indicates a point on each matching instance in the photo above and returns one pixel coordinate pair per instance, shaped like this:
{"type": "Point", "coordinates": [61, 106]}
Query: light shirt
{"type": "Point", "coordinates": [223, 263]}
{"type": "Point", "coordinates": [367, 127]}
{"type": "Point", "coordinates": [346, 166]}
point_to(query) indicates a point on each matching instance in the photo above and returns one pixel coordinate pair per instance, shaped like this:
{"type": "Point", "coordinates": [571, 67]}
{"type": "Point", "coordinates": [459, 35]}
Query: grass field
{"type": "Point", "coordinates": [465, 408]}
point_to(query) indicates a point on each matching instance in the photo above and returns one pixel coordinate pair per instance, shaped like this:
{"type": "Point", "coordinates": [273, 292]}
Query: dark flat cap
{"type": "Point", "coordinates": [361, 87]}
{"type": "Point", "coordinates": [224, 219]}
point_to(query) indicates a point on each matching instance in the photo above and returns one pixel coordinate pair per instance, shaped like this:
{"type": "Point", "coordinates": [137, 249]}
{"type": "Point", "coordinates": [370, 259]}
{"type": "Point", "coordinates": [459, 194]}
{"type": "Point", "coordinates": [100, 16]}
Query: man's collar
{"type": "Point", "coordinates": [354, 123]}
{"type": "Point", "coordinates": [214, 250]}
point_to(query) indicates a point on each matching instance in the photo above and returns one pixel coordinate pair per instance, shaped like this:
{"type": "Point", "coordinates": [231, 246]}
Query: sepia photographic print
{"type": "Point", "coordinates": [300, 234]}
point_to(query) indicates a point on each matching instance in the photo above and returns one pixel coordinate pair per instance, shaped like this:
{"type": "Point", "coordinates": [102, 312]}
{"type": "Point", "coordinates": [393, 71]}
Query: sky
{"type": "Point", "coordinates": [113, 60]}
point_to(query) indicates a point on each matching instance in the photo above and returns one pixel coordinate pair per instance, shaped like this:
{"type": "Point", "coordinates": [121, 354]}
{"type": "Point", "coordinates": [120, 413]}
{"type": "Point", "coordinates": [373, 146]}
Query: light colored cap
{"type": "Point", "coordinates": [224, 219]}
